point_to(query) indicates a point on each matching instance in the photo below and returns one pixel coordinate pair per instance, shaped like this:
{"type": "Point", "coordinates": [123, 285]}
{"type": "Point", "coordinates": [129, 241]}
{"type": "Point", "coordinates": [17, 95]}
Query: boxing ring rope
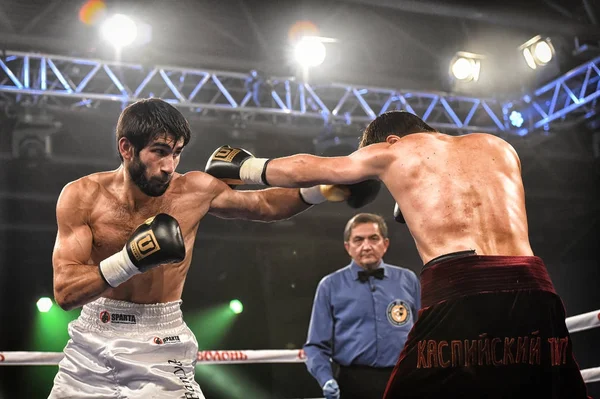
{"type": "Point", "coordinates": [582, 322]}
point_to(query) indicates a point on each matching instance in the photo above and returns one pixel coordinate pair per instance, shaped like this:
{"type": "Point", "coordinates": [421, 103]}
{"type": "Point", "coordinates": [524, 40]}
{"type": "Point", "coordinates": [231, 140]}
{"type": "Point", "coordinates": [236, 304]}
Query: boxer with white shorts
{"type": "Point", "coordinates": [122, 349]}
{"type": "Point", "coordinates": [130, 340]}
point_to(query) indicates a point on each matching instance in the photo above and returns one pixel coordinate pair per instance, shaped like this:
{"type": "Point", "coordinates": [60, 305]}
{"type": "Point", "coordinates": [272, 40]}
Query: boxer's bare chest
{"type": "Point", "coordinates": [112, 224]}
{"type": "Point", "coordinates": [112, 219]}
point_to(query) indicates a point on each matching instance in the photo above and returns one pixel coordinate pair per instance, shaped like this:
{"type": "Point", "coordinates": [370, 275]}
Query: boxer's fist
{"type": "Point", "coordinates": [155, 242]}
{"type": "Point", "coordinates": [356, 195]}
{"type": "Point", "coordinates": [363, 193]}
{"type": "Point", "coordinates": [236, 166]}
{"type": "Point", "coordinates": [398, 215]}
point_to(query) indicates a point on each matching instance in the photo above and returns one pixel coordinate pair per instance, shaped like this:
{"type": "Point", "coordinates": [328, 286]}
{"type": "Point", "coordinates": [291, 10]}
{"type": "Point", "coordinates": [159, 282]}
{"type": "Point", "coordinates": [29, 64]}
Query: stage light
{"type": "Point", "coordinates": [462, 68]}
{"type": "Point", "coordinates": [466, 66]}
{"type": "Point", "coordinates": [537, 51]}
{"type": "Point", "coordinates": [119, 30]}
{"type": "Point", "coordinates": [32, 137]}
{"type": "Point", "coordinates": [310, 51]}
{"type": "Point", "coordinates": [236, 306]}
{"type": "Point", "coordinates": [543, 52]}
{"type": "Point", "coordinates": [44, 304]}
{"type": "Point", "coordinates": [516, 119]}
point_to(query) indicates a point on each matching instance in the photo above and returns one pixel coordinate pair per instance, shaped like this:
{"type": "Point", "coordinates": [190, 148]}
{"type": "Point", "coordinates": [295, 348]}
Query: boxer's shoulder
{"type": "Point", "coordinates": [88, 192]}
{"type": "Point", "coordinates": [417, 142]}
{"type": "Point", "coordinates": [81, 190]}
{"type": "Point", "coordinates": [196, 182]}
{"type": "Point", "coordinates": [482, 139]}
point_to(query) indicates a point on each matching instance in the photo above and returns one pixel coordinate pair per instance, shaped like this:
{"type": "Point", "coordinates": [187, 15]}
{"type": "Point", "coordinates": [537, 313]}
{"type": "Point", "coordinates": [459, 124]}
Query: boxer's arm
{"type": "Point", "coordinates": [76, 282]}
{"type": "Point", "coordinates": [303, 170]}
{"type": "Point", "coordinates": [261, 205]}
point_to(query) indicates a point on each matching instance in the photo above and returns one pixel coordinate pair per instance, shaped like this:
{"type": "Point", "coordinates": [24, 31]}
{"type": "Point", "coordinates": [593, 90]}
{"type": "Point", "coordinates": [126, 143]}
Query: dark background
{"type": "Point", "coordinates": [274, 268]}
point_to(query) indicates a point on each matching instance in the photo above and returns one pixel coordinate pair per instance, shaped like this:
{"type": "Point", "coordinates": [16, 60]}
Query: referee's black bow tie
{"type": "Point", "coordinates": [363, 275]}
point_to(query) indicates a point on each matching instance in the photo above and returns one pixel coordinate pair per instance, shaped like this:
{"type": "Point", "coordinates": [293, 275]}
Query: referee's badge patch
{"type": "Point", "coordinates": [398, 313]}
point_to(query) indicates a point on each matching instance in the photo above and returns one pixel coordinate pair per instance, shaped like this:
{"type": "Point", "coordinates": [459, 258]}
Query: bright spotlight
{"type": "Point", "coordinates": [543, 52]}
{"type": "Point", "coordinates": [119, 30]}
{"type": "Point", "coordinates": [236, 306]}
{"type": "Point", "coordinates": [516, 119]}
{"type": "Point", "coordinates": [537, 51]}
{"type": "Point", "coordinates": [310, 51]}
{"type": "Point", "coordinates": [44, 304]}
{"type": "Point", "coordinates": [466, 66]}
{"type": "Point", "coordinates": [462, 68]}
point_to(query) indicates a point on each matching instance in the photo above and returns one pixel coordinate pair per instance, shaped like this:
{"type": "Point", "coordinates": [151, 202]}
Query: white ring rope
{"type": "Point", "coordinates": [582, 322]}
{"type": "Point", "coordinates": [204, 357]}
{"type": "Point", "coordinates": [577, 323]}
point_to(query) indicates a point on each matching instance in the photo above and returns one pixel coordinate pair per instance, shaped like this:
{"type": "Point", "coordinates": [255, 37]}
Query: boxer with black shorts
{"type": "Point", "coordinates": [491, 324]}
{"type": "Point", "coordinates": [124, 247]}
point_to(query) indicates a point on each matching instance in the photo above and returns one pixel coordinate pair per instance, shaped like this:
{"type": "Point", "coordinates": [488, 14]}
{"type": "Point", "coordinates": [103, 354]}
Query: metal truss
{"type": "Point", "coordinates": [575, 94]}
{"type": "Point", "coordinates": [30, 78]}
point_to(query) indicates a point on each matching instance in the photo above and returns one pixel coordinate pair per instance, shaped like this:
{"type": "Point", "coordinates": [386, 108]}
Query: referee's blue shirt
{"type": "Point", "coordinates": [356, 323]}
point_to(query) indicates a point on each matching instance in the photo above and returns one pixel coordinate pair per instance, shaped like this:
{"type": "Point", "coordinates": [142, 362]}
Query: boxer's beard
{"type": "Point", "coordinates": [152, 187]}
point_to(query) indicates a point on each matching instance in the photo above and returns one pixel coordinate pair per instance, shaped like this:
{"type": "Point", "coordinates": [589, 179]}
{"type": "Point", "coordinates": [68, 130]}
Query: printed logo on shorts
{"type": "Point", "coordinates": [187, 380]}
{"type": "Point", "coordinates": [104, 316]}
{"type": "Point", "coordinates": [117, 318]}
{"type": "Point", "coordinates": [398, 313]}
{"type": "Point", "coordinates": [173, 339]}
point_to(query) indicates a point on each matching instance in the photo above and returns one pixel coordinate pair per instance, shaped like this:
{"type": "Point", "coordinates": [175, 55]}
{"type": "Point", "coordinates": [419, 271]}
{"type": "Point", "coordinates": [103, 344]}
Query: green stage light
{"type": "Point", "coordinates": [236, 306]}
{"type": "Point", "coordinates": [211, 325]}
{"type": "Point", "coordinates": [44, 304]}
{"type": "Point", "coordinates": [49, 334]}
{"type": "Point", "coordinates": [229, 380]}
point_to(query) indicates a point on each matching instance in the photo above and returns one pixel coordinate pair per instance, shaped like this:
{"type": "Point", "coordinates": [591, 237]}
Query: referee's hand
{"type": "Point", "coordinates": [331, 390]}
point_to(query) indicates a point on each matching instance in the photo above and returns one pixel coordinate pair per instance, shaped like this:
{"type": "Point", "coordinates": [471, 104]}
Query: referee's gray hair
{"type": "Point", "coordinates": [363, 218]}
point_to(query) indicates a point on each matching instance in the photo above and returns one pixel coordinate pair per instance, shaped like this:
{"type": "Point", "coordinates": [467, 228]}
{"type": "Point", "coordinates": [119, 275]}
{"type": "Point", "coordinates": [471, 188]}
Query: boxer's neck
{"type": "Point", "coordinates": [130, 194]}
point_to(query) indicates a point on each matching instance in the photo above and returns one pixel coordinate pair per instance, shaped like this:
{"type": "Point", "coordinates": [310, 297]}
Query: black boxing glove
{"type": "Point", "coordinates": [363, 193]}
{"type": "Point", "coordinates": [155, 242]}
{"type": "Point", "coordinates": [236, 166]}
{"type": "Point", "coordinates": [398, 215]}
{"type": "Point", "coordinates": [356, 195]}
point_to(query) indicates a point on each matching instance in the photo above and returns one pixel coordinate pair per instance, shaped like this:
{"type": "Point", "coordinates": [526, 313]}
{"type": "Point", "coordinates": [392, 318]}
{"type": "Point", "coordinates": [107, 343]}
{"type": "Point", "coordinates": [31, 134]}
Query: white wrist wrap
{"type": "Point", "coordinates": [118, 268]}
{"type": "Point", "coordinates": [252, 170]}
{"type": "Point", "coordinates": [313, 195]}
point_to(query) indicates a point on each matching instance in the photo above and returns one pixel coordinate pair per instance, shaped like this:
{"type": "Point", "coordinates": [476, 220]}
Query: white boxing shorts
{"type": "Point", "coordinates": [128, 350]}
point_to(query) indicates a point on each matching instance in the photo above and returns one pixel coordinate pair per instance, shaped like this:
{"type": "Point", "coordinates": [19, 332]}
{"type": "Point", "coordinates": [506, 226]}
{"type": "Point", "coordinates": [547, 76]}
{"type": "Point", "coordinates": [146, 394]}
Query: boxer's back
{"type": "Point", "coordinates": [460, 193]}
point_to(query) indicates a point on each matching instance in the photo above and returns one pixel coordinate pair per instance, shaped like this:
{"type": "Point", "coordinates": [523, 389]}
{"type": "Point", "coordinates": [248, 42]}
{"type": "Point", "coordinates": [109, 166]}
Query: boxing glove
{"type": "Point", "coordinates": [356, 195]}
{"type": "Point", "coordinates": [236, 166]}
{"type": "Point", "coordinates": [155, 242]}
{"type": "Point", "coordinates": [398, 215]}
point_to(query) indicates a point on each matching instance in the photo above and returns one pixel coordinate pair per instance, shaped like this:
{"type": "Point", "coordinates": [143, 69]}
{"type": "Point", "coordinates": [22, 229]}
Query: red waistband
{"type": "Point", "coordinates": [477, 274]}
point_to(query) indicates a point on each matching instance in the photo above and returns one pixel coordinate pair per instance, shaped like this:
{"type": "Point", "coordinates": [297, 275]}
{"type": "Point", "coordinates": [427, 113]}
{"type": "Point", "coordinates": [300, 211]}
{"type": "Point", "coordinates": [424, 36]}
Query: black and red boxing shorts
{"type": "Point", "coordinates": [490, 327]}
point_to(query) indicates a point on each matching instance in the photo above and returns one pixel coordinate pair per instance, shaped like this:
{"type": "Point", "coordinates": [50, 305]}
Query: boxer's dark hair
{"type": "Point", "coordinates": [144, 120]}
{"type": "Point", "coordinates": [363, 218]}
{"type": "Point", "coordinates": [399, 123]}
